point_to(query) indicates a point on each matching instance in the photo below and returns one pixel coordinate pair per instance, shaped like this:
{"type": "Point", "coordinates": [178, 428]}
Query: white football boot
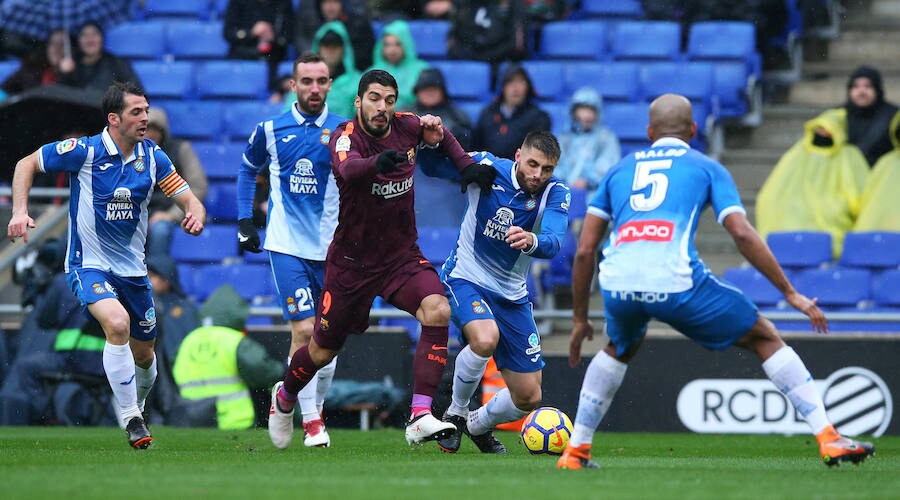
{"type": "Point", "coordinates": [315, 434]}
{"type": "Point", "coordinates": [426, 427]}
{"type": "Point", "coordinates": [281, 424]}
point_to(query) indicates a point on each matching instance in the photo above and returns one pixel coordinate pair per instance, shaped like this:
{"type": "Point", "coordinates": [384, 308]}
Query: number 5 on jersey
{"type": "Point", "coordinates": [645, 174]}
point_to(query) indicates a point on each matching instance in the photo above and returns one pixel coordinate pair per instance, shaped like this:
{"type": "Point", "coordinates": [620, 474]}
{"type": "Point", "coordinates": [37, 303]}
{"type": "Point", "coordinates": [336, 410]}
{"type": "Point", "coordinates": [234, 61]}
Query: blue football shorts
{"type": "Point", "coordinates": [713, 313]}
{"type": "Point", "coordinates": [519, 347]}
{"type": "Point", "coordinates": [299, 284]}
{"type": "Point", "coordinates": [134, 293]}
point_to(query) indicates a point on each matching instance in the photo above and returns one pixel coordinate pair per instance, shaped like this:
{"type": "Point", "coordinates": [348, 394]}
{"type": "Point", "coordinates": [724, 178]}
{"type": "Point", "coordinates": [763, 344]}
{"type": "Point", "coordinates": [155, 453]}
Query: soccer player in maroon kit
{"type": "Point", "coordinates": [374, 251]}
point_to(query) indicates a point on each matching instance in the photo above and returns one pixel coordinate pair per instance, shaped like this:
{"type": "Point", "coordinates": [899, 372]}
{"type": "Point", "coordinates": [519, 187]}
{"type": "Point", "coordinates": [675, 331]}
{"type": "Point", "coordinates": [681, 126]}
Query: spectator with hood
{"type": "Point", "coordinates": [589, 148]}
{"type": "Point", "coordinates": [354, 14]}
{"type": "Point", "coordinates": [878, 210]}
{"type": "Point", "coordinates": [95, 68]}
{"type": "Point", "coordinates": [432, 98]}
{"type": "Point", "coordinates": [395, 53]}
{"type": "Point", "coordinates": [868, 114]}
{"type": "Point", "coordinates": [503, 124]}
{"type": "Point", "coordinates": [332, 42]}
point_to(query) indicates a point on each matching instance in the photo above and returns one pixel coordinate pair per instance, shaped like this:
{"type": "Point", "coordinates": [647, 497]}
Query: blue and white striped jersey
{"type": "Point", "coordinates": [482, 255]}
{"type": "Point", "coordinates": [654, 199]}
{"type": "Point", "coordinates": [110, 194]}
{"type": "Point", "coordinates": [303, 196]}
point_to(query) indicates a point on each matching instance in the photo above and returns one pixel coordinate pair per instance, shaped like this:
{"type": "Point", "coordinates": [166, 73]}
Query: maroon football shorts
{"type": "Point", "coordinates": [348, 294]}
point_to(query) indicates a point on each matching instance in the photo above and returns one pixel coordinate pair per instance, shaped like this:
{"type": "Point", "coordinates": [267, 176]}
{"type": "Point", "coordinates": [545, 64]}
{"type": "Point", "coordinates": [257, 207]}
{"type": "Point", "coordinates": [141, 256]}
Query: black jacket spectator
{"type": "Point", "coordinates": [95, 68]}
{"type": "Point", "coordinates": [259, 29]}
{"type": "Point", "coordinates": [492, 31]}
{"type": "Point", "coordinates": [431, 98]}
{"type": "Point", "coordinates": [503, 124]}
{"type": "Point", "coordinates": [869, 116]}
{"type": "Point", "coordinates": [312, 14]}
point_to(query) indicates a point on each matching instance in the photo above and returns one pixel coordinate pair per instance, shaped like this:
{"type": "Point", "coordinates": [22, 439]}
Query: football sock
{"type": "Point", "coordinates": [786, 370]}
{"type": "Point", "coordinates": [467, 374]}
{"type": "Point", "coordinates": [325, 375]}
{"type": "Point", "coordinates": [299, 373]}
{"type": "Point", "coordinates": [499, 410]}
{"type": "Point", "coordinates": [144, 378]}
{"type": "Point", "coordinates": [307, 400]}
{"type": "Point", "coordinates": [118, 363]}
{"type": "Point", "coordinates": [420, 404]}
{"type": "Point", "coordinates": [601, 381]}
{"type": "Point", "coordinates": [430, 360]}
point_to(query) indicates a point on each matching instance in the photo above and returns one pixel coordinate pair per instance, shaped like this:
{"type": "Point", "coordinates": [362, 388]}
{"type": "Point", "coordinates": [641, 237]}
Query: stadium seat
{"type": "Point", "coordinates": [719, 40]}
{"type": "Point", "coordinates": [559, 115]}
{"type": "Point", "coordinates": [216, 243]}
{"type": "Point", "coordinates": [220, 160]}
{"type": "Point", "coordinates": [186, 277]}
{"type": "Point", "coordinates": [612, 8]}
{"type": "Point", "coordinates": [221, 202]}
{"type": "Point", "coordinates": [886, 288]}
{"type": "Point", "coordinates": [285, 69]}
{"type": "Point", "coordinates": [176, 9]}
{"type": "Point", "coordinates": [730, 85]}
{"type": "Point", "coordinates": [149, 35]}
{"type": "Point", "coordinates": [194, 120]}
{"type": "Point", "coordinates": [582, 40]}
{"type": "Point", "coordinates": [800, 249]}
{"type": "Point", "coordinates": [559, 271]}
{"type": "Point", "coordinates": [250, 280]}
{"type": "Point", "coordinates": [839, 287]}
{"type": "Point", "coordinates": [241, 117]}
{"type": "Point", "coordinates": [468, 80]}
{"type": "Point", "coordinates": [196, 40]}
{"type": "Point", "coordinates": [871, 249]}
{"type": "Point", "coordinates": [173, 80]}
{"type": "Point", "coordinates": [756, 286]}
{"type": "Point", "coordinates": [471, 108]}
{"type": "Point", "coordinates": [232, 80]}
{"type": "Point", "coordinates": [647, 40]}
{"type": "Point", "coordinates": [436, 243]}
{"type": "Point", "coordinates": [615, 81]}
{"type": "Point", "coordinates": [629, 122]}
{"type": "Point", "coordinates": [693, 80]}
{"type": "Point", "coordinates": [8, 68]}
{"type": "Point", "coordinates": [430, 38]}
{"type": "Point", "coordinates": [546, 76]}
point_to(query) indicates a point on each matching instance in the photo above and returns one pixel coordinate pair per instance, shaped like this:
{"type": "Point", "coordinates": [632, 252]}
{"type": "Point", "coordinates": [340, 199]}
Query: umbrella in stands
{"type": "Point", "coordinates": [42, 115]}
{"type": "Point", "coordinates": [38, 18]}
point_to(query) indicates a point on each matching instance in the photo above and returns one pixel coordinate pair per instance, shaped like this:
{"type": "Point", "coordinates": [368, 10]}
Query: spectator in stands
{"type": "Point", "coordinates": [388, 11]}
{"type": "Point", "coordinates": [868, 114]}
{"type": "Point", "coordinates": [503, 124]}
{"type": "Point", "coordinates": [332, 42]}
{"type": "Point", "coordinates": [431, 98]}
{"type": "Point", "coordinates": [312, 14]}
{"type": "Point", "coordinates": [492, 31]}
{"type": "Point", "coordinates": [259, 29]}
{"type": "Point", "coordinates": [95, 68]}
{"type": "Point", "coordinates": [40, 67]}
{"type": "Point", "coordinates": [165, 216]}
{"type": "Point", "coordinates": [436, 9]}
{"type": "Point", "coordinates": [588, 147]}
{"type": "Point", "coordinates": [395, 53]}
{"type": "Point", "coordinates": [878, 209]}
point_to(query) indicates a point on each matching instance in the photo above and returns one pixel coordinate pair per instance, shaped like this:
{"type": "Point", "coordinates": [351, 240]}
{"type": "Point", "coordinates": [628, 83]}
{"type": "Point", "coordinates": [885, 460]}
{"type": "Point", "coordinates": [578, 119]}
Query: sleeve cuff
{"type": "Point", "coordinates": [599, 213]}
{"type": "Point", "coordinates": [534, 245]}
{"type": "Point", "coordinates": [728, 211]}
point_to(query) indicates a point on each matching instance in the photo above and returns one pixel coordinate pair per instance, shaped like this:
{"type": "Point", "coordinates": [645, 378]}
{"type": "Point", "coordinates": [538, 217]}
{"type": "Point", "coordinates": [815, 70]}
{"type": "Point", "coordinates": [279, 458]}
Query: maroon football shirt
{"type": "Point", "coordinates": [377, 220]}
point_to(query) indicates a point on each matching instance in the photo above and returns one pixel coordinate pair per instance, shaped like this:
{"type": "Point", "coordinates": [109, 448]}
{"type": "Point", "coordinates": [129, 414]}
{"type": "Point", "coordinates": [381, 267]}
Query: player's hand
{"type": "Point", "coordinates": [432, 129]}
{"type": "Point", "coordinates": [580, 330]}
{"type": "Point", "coordinates": [19, 225]}
{"type": "Point", "coordinates": [248, 236]}
{"type": "Point", "coordinates": [519, 239]}
{"type": "Point", "coordinates": [387, 161]}
{"type": "Point", "coordinates": [808, 307]}
{"type": "Point", "coordinates": [482, 175]}
{"type": "Point", "coordinates": [192, 224]}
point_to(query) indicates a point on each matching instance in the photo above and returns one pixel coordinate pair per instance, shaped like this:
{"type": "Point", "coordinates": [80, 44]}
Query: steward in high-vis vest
{"type": "Point", "coordinates": [217, 361]}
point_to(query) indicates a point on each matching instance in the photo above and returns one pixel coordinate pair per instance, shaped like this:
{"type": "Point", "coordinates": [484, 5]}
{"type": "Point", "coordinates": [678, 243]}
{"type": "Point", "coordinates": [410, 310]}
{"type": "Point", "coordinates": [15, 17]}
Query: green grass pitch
{"type": "Point", "coordinates": [70, 463]}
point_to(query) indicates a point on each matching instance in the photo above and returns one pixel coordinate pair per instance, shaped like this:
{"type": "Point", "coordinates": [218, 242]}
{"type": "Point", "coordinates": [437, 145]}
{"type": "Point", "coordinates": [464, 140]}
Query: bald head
{"type": "Point", "coordinates": [671, 116]}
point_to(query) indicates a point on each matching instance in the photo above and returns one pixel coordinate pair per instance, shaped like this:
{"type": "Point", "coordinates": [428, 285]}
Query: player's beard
{"type": "Point", "coordinates": [311, 109]}
{"type": "Point", "coordinates": [374, 130]}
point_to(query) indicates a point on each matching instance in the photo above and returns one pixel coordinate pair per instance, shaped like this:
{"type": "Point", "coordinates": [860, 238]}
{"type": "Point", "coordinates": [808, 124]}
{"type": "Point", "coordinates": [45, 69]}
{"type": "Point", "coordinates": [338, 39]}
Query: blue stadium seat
{"type": "Point", "coordinates": [838, 287]}
{"type": "Point", "coordinates": [173, 80]}
{"type": "Point", "coordinates": [693, 80]}
{"type": "Point", "coordinates": [137, 40]}
{"type": "Point", "coordinates": [871, 249]}
{"type": "Point", "coordinates": [629, 122]}
{"type": "Point", "coordinates": [430, 38]}
{"type": "Point", "coordinates": [186, 278]}
{"type": "Point", "coordinates": [232, 79]}
{"type": "Point", "coordinates": [559, 115]}
{"type": "Point", "coordinates": [616, 81]}
{"type": "Point", "coordinates": [800, 248]}
{"type": "Point", "coordinates": [220, 160]}
{"type": "Point", "coordinates": [468, 80]}
{"type": "Point", "coordinates": [216, 243]}
{"type": "Point", "coordinates": [7, 68]}
{"type": "Point", "coordinates": [756, 286]}
{"type": "Point", "coordinates": [194, 120]}
{"type": "Point", "coordinates": [176, 9]}
{"type": "Point", "coordinates": [730, 82]}
{"type": "Point", "coordinates": [250, 280]}
{"type": "Point", "coordinates": [886, 288]}
{"type": "Point", "coordinates": [471, 108]}
{"type": "Point", "coordinates": [261, 257]}
{"type": "Point", "coordinates": [659, 40]}
{"type": "Point", "coordinates": [546, 77]}
{"type": "Point", "coordinates": [436, 243]}
{"type": "Point", "coordinates": [196, 40]}
{"type": "Point", "coordinates": [221, 202]}
{"type": "Point", "coordinates": [612, 8]}
{"type": "Point", "coordinates": [582, 40]}
{"type": "Point", "coordinates": [241, 117]}
{"type": "Point", "coordinates": [285, 69]}
{"type": "Point", "coordinates": [559, 272]}
{"type": "Point", "coordinates": [721, 40]}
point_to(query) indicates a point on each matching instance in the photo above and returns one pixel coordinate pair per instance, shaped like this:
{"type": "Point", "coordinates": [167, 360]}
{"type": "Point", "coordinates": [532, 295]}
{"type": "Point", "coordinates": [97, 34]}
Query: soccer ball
{"type": "Point", "coordinates": [546, 431]}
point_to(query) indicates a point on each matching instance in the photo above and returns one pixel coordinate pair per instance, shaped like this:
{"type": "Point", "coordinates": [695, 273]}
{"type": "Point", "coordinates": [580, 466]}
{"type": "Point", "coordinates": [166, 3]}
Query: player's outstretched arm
{"type": "Point", "coordinates": [194, 212]}
{"type": "Point", "coordinates": [757, 253]}
{"type": "Point", "coordinates": [23, 177]}
{"type": "Point", "coordinates": [432, 129]}
{"type": "Point", "coordinates": [582, 274]}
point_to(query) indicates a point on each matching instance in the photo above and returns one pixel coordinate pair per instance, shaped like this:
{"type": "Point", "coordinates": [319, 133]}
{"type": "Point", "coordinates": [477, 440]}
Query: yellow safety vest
{"type": "Point", "coordinates": [206, 367]}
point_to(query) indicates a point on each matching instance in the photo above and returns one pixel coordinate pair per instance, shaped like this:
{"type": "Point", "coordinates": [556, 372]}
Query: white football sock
{"type": "Point", "coordinates": [467, 374]}
{"type": "Point", "coordinates": [306, 400]}
{"type": "Point", "coordinates": [326, 375]}
{"type": "Point", "coordinates": [144, 378]}
{"type": "Point", "coordinates": [786, 370]}
{"type": "Point", "coordinates": [601, 381]}
{"type": "Point", "coordinates": [118, 363]}
{"type": "Point", "coordinates": [499, 410]}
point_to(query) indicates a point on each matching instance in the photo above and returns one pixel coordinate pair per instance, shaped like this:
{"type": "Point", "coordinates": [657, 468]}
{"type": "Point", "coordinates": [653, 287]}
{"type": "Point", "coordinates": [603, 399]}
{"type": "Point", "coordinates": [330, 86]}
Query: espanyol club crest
{"type": "Point", "coordinates": [478, 308]}
{"type": "Point", "coordinates": [531, 204]}
{"type": "Point", "coordinates": [325, 138]}
{"type": "Point", "coordinates": [139, 165]}
{"type": "Point", "coordinates": [291, 306]}
{"type": "Point", "coordinates": [98, 289]}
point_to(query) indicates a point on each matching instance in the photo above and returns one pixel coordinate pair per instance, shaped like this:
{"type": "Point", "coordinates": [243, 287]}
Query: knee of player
{"type": "Point", "coordinates": [321, 356]}
{"type": "Point", "coordinates": [436, 312]}
{"type": "Point", "coordinates": [302, 330]}
{"type": "Point", "coordinates": [117, 327]}
{"type": "Point", "coordinates": [528, 399]}
{"type": "Point", "coordinates": [143, 357]}
{"type": "Point", "coordinates": [483, 345]}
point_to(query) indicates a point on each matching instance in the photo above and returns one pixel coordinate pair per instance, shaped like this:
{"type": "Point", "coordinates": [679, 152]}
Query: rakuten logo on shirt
{"type": "Point", "coordinates": [392, 189]}
{"type": "Point", "coordinates": [645, 230]}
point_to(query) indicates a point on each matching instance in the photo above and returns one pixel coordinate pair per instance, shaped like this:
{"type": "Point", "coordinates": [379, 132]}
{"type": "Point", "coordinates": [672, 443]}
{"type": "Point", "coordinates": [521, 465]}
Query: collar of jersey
{"type": "Point", "coordinates": [512, 176]}
{"type": "Point", "coordinates": [111, 148]}
{"type": "Point", "coordinates": [670, 142]}
{"type": "Point", "coordinates": [295, 110]}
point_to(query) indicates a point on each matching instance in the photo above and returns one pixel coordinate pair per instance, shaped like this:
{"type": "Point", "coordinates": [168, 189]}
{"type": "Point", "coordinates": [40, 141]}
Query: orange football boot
{"type": "Point", "coordinates": [835, 448]}
{"type": "Point", "coordinates": [576, 457]}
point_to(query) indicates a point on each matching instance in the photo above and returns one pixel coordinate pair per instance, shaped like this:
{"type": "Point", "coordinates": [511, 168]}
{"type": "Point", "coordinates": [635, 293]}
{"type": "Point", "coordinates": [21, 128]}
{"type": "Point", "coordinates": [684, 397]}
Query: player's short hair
{"type": "Point", "coordinates": [114, 97]}
{"type": "Point", "coordinates": [378, 76]}
{"type": "Point", "coordinates": [543, 141]}
{"type": "Point", "coordinates": [306, 58]}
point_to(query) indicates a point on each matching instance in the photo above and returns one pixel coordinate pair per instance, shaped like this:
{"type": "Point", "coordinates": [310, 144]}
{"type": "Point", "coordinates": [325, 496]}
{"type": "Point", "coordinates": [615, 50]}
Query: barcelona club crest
{"type": "Point", "coordinates": [325, 138]}
{"type": "Point", "coordinates": [139, 165]}
{"type": "Point", "coordinates": [411, 156]}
